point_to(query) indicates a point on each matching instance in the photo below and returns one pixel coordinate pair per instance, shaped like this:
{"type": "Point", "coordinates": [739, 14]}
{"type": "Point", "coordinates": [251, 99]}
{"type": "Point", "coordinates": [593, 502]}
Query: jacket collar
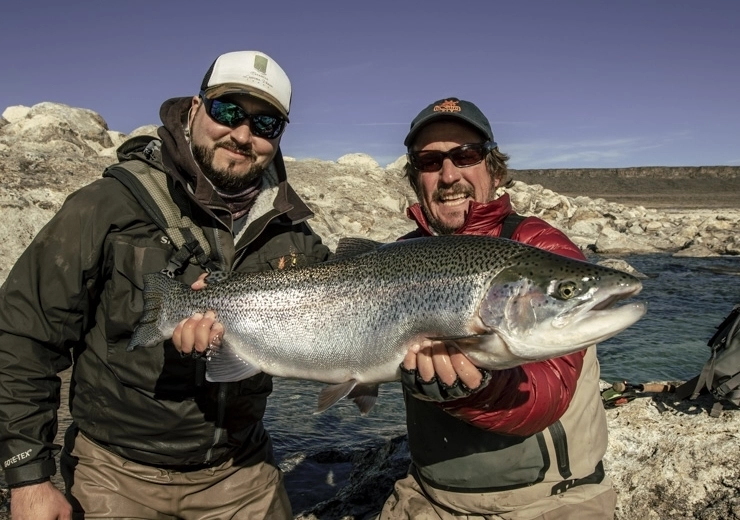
{"type": "Point", "coordinates": [481, 218]}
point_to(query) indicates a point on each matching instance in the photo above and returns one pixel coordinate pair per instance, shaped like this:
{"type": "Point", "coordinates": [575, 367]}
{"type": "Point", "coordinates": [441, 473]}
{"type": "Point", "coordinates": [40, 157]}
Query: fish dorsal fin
{"type": "Point", "coordinates": [353, 246]}
{"type": "Point", "coordinates": [224, 365]}
{"type": "Point", "coordinates": [333, 393]}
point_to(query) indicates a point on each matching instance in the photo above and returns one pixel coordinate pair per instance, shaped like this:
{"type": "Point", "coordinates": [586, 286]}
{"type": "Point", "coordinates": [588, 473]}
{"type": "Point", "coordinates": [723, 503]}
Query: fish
{"type": "Point", "coordinates": [348, 322]}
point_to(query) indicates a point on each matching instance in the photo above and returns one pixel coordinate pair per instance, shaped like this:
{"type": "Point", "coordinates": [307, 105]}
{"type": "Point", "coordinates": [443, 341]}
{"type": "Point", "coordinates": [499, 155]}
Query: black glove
{"type": "Point", "coordinates": [436, 390]}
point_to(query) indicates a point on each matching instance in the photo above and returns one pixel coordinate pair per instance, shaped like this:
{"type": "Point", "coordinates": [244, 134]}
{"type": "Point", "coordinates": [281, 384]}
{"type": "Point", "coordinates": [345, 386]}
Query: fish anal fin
{"type": "Point", "coordinates": [329, 395]}
{"type": "Point", "coordinates": [365, 397]}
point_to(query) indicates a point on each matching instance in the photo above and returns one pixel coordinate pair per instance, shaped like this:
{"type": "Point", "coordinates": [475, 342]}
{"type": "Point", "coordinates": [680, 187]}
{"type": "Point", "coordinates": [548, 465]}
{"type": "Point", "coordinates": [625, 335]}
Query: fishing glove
{"type": "Point", "coordinates": [436, 390]}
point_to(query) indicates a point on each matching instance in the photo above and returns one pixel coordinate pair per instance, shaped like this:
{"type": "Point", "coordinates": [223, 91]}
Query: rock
{"type": "Point", "coordinates": [621, 265]}
{"type": "Point", "coordinates": [696, 250]}
{"type": "Point", "coordinates": [15, 113]}
{"type": "Point", "coordinates": [398, 164]}
{"type": "Point", "coordinates": [358, 160]}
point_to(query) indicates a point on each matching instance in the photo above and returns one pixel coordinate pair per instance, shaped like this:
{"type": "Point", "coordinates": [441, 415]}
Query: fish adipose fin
{"type": "Point", "coordinates": [348, 247]}
{"type": "Point", "coordinates": [224, 366]}
{"type": "Point", "coordinates": [147, 333]}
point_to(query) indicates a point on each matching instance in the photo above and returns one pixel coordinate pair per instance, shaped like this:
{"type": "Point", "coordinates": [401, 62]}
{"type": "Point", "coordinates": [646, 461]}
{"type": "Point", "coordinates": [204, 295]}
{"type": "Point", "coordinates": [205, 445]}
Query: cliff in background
{"type": "Point", "coordinates": [653, 187]}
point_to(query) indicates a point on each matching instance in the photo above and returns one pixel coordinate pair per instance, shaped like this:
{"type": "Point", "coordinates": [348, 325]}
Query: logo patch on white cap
{"type": "Point", "coordinates": [249, 72]}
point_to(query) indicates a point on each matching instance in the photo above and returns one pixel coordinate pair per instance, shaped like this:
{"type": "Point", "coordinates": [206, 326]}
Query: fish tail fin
{"type": "Point", "coordinates": [148, 333]}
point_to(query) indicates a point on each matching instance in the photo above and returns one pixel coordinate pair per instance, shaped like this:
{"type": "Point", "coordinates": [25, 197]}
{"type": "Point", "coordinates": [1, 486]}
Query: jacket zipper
{"type": "Point", "coordinates": [218, 431]}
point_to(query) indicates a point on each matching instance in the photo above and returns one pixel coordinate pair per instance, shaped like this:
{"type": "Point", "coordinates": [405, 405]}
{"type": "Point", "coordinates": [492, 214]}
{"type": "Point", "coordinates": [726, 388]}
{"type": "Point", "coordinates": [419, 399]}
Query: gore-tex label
{"type": "Point", "coordinates": [17, 458]}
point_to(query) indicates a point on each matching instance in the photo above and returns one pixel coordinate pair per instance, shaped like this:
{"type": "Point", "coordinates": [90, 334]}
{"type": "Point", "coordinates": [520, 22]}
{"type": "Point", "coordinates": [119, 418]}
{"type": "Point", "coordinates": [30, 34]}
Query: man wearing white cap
{"type": "Point", "coordinates": [151, 438]}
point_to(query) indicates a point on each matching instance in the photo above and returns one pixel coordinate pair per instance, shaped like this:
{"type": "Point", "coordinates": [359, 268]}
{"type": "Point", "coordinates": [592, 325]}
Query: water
{"type": "Point", "coordinates": [687, 298]}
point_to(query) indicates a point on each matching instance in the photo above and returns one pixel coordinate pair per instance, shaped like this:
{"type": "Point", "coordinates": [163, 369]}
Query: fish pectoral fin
{"type": "Point", "coordinates": [224, 365]}
{"type": "Point", "coordinates": [365, 397]}
{"type": "Point", "coordinates": [333, 393]}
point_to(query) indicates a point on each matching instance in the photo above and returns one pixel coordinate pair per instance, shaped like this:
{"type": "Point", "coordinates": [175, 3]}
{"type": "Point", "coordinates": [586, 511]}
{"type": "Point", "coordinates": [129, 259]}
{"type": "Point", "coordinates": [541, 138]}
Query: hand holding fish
{"type": "Point", "coordinates": [438, 371]}
{"type": "Point", "coordinates": [196, 334]}
{"type": "Point", "coordinates": [448, 364]}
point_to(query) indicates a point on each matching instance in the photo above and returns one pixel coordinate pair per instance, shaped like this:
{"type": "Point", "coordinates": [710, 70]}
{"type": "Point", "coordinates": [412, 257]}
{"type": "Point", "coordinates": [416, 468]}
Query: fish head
{"type": "Point", "coordinates": [545, 305]}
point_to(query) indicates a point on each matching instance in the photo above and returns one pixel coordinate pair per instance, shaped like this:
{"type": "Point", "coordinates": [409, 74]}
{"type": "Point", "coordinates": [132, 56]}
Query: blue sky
{"type": "Point", "coordinates": [566, 84]}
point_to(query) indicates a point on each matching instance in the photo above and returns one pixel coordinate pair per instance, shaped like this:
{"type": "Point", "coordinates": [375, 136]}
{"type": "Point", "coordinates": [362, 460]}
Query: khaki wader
{"type": "Point", "coordinates": [104, 485]}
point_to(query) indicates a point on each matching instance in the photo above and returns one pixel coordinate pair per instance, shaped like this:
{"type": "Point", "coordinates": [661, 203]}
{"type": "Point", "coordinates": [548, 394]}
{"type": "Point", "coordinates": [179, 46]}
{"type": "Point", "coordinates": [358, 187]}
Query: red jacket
{"type": "Point", "coordinates": [526, 399]}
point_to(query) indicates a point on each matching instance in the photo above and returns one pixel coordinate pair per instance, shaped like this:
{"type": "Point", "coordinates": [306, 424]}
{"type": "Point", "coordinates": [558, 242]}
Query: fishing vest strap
{"type": "Point", "coordinates": [167, 208]}
{"type": "Point", "coordinates": [511, 222]}
{"type": "Point", "coordinates": [594, 478]}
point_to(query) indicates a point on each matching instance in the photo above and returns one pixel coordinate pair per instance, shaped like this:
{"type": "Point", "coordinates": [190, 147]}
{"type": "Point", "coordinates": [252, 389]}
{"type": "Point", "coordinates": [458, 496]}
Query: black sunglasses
{"type": "Point", "coordinates": [232, 115]}
{"type": "Point", "coordinates": [461, 156]}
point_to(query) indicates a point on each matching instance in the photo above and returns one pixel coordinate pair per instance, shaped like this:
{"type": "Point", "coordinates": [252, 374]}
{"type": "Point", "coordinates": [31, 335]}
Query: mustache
{"type": "Point", "coordinates": [244, 150]}
{"type": "Point", "coordinates": [457, 189]}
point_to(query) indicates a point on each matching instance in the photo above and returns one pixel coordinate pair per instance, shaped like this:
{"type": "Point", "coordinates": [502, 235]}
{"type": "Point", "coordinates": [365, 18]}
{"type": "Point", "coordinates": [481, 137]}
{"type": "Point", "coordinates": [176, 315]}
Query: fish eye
{"type": "Point", "coordinates": [567, 290]}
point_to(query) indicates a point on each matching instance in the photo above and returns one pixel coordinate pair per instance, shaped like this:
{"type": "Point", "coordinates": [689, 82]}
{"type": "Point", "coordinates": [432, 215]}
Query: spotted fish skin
{"type": "Point", "coordinates": [350, 321]}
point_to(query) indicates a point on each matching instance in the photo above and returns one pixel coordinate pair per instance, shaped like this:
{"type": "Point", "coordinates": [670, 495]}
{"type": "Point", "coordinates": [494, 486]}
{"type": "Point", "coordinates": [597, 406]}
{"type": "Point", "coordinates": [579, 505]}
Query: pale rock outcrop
{"type": "Point", "coordinates": [398, 164]}
{"type": "Point", "coordinates": [15, 113]}
{"type": "Point", "coordinates": [60, 148]}
{"type": "Point", "coordinates": [358, 160]}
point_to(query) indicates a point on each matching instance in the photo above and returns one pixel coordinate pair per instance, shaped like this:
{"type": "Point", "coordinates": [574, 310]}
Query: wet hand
{"type": "Point", "coordinates": [447, 363]}
{"type": "Point", "coordinates": [201, 332]}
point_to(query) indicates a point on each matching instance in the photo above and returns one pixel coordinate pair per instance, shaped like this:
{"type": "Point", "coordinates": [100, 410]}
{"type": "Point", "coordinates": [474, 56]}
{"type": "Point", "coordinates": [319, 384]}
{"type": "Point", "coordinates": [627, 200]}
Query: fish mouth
{"type": "Point", "coordinates": [592, 321]}
{"type": "Point", "coordinates": [610, 300]}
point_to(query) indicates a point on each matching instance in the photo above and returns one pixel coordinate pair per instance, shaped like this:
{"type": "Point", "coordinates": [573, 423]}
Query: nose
{"type": "Point", "coordinates": [242, 133]}
{"type": "Point", "coordinates": [449, 174]}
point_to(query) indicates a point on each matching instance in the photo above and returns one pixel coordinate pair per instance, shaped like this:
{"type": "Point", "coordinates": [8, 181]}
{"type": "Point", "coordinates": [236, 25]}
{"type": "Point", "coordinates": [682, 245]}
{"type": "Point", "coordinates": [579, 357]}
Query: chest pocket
{"type": "Point", "coordinates": [121, 307]}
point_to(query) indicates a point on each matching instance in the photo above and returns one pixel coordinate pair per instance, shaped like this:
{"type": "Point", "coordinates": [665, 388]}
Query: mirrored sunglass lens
{"type": "Point", "coordinates": [227, 114]}
{"type": "Point", "coordinates": [466, 156]}
{"type": "Point", "coordinates": [266, 126]}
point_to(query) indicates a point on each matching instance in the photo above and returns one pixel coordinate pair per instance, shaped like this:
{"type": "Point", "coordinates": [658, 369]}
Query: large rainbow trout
{"type": "Point", "coordinates": [350, 321]}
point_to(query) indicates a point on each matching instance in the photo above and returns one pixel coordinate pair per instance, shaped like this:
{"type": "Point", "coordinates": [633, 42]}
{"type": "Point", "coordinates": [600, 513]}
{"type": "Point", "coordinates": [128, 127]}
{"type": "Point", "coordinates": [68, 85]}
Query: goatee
{"type": "Point", "coordinates": [225, 180]}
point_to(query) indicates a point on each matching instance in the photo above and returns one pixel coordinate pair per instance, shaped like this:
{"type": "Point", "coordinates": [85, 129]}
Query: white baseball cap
{"type": "Point", "coordinates": [249, 72]}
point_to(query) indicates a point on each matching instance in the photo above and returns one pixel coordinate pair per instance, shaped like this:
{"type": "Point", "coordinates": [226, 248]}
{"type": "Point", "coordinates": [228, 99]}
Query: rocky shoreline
{"type": "Point", "coordinates": [668, 460]}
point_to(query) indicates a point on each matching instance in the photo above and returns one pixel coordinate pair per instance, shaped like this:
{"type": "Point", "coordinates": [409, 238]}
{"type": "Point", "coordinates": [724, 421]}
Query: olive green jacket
{"type": "Point", "coordinates": [75, 296]}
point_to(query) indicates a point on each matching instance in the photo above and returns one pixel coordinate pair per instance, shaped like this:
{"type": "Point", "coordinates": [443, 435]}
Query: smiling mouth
{"type": "Point", "coordinates": [453, 200]}
{"type": "Point", "coordinates": [245, 155]}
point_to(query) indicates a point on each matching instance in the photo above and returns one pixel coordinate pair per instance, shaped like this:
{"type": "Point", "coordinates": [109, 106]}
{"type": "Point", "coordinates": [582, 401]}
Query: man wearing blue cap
{"type": "Point", "coordinates": [514, 444]}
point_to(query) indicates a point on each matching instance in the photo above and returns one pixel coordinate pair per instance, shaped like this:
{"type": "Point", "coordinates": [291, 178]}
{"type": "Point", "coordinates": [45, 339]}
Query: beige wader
{"type": "Point", "coordinates": [108, 486]}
